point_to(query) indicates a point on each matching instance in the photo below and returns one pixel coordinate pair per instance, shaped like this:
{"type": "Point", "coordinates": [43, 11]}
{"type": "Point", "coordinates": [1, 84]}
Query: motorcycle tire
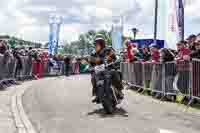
{"type": "Point", "coordinates": [108, 106]}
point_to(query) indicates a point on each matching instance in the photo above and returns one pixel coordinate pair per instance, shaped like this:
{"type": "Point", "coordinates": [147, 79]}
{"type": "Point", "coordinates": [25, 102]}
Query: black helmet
{"type": "Point", "coordinates": [100, 39]}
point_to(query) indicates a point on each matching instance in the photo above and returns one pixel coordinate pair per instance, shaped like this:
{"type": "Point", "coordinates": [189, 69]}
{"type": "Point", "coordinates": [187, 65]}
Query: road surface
{"type": "Point", "coordinates": [63, 105]}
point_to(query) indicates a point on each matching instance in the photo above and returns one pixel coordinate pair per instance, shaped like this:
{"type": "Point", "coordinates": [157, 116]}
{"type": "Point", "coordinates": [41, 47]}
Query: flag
{"type": "Point", "coordinates": [54, 32]}
{"type": "Point", "coordinates": [50, 44]}
{"type": "Point", "coordinates": [174, 23]}
{"type": "Point", "coordinates": [180, 19]}
{"type": "Point", "coordinates": [117, 33]}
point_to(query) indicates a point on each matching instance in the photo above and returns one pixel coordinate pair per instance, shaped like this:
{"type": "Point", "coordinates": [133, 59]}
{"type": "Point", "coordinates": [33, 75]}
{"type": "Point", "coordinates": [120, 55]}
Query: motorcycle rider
{"type": "Point", "coordinates": [101, 55]}
{"type": "Point", "coordinates": [97, 58]}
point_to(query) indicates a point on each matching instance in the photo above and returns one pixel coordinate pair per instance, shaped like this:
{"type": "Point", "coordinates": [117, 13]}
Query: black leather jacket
{"type": "Point", "coordinates": [195, 54]}
{"type": "Point", "coordinates": [101, 55]}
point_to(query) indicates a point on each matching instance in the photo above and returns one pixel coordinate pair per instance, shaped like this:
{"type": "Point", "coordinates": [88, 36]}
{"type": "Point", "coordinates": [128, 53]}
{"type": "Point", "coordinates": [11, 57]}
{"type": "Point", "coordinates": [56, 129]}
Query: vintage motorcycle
{"type": "Point", "coordinates": [110, 98]}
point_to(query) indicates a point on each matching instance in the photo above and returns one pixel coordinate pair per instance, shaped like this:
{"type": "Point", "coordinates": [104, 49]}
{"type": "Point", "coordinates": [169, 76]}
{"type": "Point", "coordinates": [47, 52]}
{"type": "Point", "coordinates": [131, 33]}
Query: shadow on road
{"type": "Point", "coordinates": [118, 112]}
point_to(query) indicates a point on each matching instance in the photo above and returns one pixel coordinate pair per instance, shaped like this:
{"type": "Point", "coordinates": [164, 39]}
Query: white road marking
{"type": "Point", "coordinates": [166, 131]}
{"type": "Point", "coordinates": [78, 77]}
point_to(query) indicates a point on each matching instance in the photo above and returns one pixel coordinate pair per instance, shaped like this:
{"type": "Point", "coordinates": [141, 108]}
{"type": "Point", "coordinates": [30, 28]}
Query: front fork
{"type": "Point", "coordinates": [114, 95]}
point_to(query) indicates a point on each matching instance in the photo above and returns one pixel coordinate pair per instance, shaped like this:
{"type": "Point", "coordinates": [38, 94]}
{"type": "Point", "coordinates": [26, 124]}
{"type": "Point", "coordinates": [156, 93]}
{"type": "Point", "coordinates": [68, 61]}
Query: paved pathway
{"type": "Point", "coordinates": [63, 105]}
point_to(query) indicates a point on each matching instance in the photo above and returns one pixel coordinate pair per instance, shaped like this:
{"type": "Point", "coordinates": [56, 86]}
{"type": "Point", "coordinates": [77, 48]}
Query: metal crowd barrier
{"type": "Point", "coordinates": [124, 69]}
{"type": "Point", "coordinates": [183, 79]}
{"type": "Point", "coordinates": [10, 73]}
{"type": "Point", "coordinates": [164, 78]}
{"type": "Point", "coordinates": [138, 75]}
{"type": "Point", "coordinates": [196, 78]}
{"type": "Point", "coordinates": [7, 65]}
{"type": "Point", "coordinates": [170, 71]}
{"type": "Point", "coordinates": [147, 75]}
{"type": "Point", "coordinates": [26, 71]}
{"type": "Point", "coordinates": [157, 78]}
{"type": "Point", "coordinates": [57, 70]}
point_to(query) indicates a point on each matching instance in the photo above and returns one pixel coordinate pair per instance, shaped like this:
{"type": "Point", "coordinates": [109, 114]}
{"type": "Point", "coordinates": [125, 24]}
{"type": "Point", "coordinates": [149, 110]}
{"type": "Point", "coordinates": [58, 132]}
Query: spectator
{"type": "Point", "coordinates": [67, 66]}
{"type": "Point", "coordinates": [185, 43]}
{"type": "Point", "coordinates": [77, 66]}
{"type": "Point", "coordinates": [3, 47]}
{"type": "Point", "coordinates": [198, 37]}
{"type": "Point", "coordinates": [196, 54]}
{"type": "Point", "coordinates": [166, 55]}
{"type": "Point", "coordinates": [84, 66]}
{"type": "Point", "coordinates": [191, 42]}
{"type": "Point", "coordinates": [30, 56]}
{"type": "Point", "coordinates": [19, 65]}
{"type": "Point", "coordinates": [123, 55]}
{"type": "Point", "coordinates": [183, 52]}
{"type": "Point", "coordinates": [129, 47]}
{"type": "Point", "coordinates": [155, 55]}
{"type": "Point", "coordinates": [135, 57]}
{"type": "Point", "coordinates": [51, 63]}
{"type": "Point", "coordinates": [4, 50]}
{"type": "Point", "coordinates": [144, 54]}
{"type": "Point", "coordinates": [7, 55]}
{"type": "Point", "coordinates": [35, 55]}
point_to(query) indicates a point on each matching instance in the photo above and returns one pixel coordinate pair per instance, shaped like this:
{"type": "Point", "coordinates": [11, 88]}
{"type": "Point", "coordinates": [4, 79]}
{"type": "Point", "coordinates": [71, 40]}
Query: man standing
{"type": "Point", "coordinates": [196, 54]}
{"type": "Point", "coordinates": [191, 42]}
{"type": "Point", "coordinates": [155, 54]}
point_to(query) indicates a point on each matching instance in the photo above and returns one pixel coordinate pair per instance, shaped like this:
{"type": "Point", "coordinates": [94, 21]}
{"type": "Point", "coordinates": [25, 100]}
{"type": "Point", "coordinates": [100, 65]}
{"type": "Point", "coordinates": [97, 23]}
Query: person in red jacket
{"type": "Point", "coordinates": [155, 54]}
{"type": "Point", "coordinates": [183, 52]}
{"type": "Point", "coordinates": [129, 49]}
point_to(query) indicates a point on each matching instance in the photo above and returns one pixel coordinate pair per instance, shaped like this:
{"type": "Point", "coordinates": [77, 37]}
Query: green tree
{"type": "Point", "coordinates": [107, 36]}
{"type": "Point", "coordinates": [85, 42]}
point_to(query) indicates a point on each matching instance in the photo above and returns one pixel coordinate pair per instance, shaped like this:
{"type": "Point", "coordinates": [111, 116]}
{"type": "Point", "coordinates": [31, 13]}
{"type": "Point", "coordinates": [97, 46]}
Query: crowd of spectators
{"type": "Point", "coordinates": [75, 65]}
{"type": "Point", "coordinates": [18, 54]}
{"type": "Point", "coordinates": [186, 51]}
{"type": "Point", "coordinates": [38, 58]}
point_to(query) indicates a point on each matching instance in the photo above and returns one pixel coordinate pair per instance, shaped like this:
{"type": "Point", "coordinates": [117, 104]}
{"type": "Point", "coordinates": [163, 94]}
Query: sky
{"type": "Point", "coordinates": [28, 19]}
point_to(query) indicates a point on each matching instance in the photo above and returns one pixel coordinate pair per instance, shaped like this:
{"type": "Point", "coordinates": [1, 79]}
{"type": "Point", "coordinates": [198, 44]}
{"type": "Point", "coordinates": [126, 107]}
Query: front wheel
{"type": "Point", "coordinates": [108, 106]}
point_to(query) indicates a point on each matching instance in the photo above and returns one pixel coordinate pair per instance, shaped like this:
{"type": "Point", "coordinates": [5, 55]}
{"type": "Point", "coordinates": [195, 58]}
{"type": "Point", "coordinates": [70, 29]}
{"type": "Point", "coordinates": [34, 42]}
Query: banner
{"type": "Point", "coordinates": [117, 33]}
{"type": "Point", "coordinates": [174, 22]}
{"type": "Point", "coordinates": [180, 19]}
{"type": "Point", "coordinates": [54, 31]}
{"type": "Point", "coordinates": [50, 44]}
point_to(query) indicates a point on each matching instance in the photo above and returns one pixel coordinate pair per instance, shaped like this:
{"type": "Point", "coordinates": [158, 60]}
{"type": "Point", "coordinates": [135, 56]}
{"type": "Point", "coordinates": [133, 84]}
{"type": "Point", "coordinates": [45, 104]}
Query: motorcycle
{"type": "Point", "coordinates": [109, 99]}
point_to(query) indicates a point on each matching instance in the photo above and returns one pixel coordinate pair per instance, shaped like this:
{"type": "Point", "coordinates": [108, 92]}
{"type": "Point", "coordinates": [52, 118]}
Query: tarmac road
{"type": "Point", "coordinates": [63, 105]}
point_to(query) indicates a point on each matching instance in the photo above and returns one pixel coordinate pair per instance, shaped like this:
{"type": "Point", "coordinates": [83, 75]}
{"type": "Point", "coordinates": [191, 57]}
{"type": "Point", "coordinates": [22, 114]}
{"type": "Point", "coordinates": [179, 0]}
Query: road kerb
{"type": "Point", "coordinates": [22, 121]}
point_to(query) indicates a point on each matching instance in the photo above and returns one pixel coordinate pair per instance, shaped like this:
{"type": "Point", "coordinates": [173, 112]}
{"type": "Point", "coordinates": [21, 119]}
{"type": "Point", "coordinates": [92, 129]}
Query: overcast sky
{"type": "Point", "coordinates": [28, 19]}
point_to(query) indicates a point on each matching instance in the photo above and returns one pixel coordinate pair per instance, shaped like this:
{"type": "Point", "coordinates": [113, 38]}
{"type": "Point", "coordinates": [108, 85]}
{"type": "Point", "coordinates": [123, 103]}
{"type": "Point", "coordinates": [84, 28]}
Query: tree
{"type": "Point", "coordinates": [90, 35]}
{"type": "Point", "coordinates": [71, 48]}
{"type": "Point", "coordinates": [85, 42]}
{"type": "Point", "coordinates": [107, 36]}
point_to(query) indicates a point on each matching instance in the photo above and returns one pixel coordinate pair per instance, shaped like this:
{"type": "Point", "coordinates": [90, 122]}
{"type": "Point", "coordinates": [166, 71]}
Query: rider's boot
{"type": "Point", "coordinates": [95, 100]}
